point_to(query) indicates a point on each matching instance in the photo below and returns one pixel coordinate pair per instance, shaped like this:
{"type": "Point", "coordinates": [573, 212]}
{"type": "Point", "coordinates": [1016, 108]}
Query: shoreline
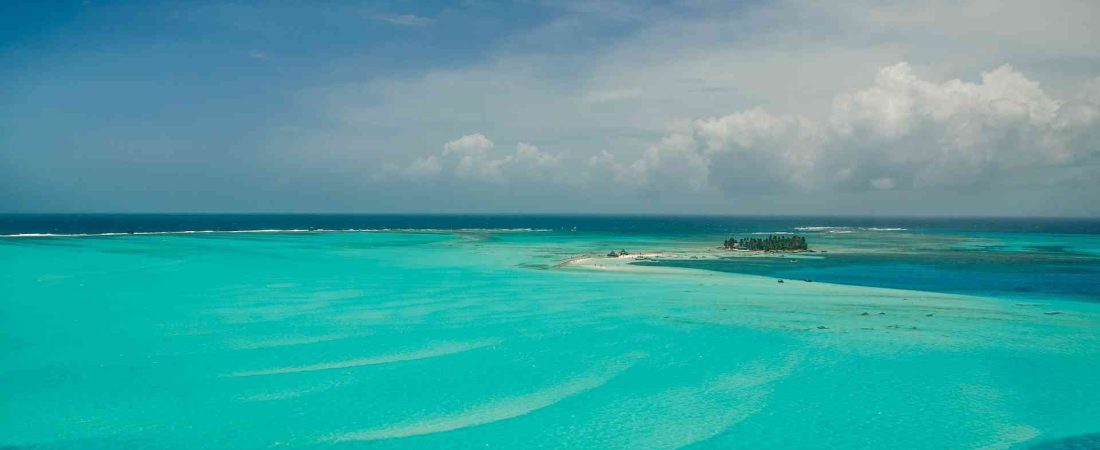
{"type": "Point", "coordinates": [1050, 307]}
{"type": "Point", "coordinates": [594, 261]}
{"type": "Point", "coordinates": [857, 317]}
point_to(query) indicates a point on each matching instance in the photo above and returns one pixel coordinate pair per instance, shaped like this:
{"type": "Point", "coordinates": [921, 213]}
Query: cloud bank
{"type": "Point", "coordinates": [901, 132]}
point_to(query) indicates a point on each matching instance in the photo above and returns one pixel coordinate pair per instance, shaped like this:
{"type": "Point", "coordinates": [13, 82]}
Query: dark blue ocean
{"type": "Point", "coordinates": [121, 223]}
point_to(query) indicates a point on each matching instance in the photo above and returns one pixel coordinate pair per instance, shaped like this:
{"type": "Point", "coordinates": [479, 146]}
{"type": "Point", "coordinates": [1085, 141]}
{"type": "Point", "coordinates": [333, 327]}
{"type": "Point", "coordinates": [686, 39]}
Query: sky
{"type": "Point", "coordinates": [960, 108]}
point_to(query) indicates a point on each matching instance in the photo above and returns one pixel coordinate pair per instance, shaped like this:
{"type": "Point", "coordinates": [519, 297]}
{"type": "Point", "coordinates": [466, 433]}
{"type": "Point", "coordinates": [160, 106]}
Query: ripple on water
{"type": "Point", "coordinates": [496, 411]}
{"type": "Point", "coordinates": [430, 352]}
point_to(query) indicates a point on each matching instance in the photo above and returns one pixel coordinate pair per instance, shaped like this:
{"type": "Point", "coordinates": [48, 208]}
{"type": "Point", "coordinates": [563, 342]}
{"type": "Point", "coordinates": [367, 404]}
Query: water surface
{"type": "Point", "coordinates": [466, 331]}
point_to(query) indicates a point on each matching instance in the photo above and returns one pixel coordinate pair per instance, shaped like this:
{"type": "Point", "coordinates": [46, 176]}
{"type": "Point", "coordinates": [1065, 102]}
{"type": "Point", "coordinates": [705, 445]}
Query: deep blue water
{"type": "Point", "coordinates": [964, 274]}
{"type": "Point", "coordinates": [121, 223]}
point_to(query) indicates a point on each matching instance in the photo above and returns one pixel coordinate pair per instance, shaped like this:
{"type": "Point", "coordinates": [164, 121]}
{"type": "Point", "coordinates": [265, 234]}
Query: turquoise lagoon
{"type": "Point", "coordinates": [461, 333]}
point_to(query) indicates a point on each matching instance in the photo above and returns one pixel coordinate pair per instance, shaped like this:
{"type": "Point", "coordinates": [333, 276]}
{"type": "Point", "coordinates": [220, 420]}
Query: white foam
{"type": "Point", "coordinates": [847, 229]}
{"type": "Point", "coordinates": [431, 352]}
{"type": "Point", "coordinates": [819, 228]}
{"type": "Point", "coordinates": [496, 411]}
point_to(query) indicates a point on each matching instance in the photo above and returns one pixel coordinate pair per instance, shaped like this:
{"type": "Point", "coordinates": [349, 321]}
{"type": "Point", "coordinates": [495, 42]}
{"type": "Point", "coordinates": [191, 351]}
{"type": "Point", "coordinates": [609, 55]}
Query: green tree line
{"type": "Point", "coordinates": [770, 243]}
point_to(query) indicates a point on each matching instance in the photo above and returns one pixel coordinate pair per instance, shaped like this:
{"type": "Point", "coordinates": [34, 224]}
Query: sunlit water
{"type": "Point", "coordinates": [473, 335]}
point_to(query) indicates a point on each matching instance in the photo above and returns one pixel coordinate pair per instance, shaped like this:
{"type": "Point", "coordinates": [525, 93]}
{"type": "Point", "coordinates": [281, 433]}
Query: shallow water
{"type": "Point", "coordinates": [462, 339]}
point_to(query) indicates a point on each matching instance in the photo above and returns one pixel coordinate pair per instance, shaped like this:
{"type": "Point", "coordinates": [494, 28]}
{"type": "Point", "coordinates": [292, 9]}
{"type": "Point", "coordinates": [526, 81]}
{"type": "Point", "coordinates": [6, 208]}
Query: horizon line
{"type": "Point", "coordinates": [547, 214]}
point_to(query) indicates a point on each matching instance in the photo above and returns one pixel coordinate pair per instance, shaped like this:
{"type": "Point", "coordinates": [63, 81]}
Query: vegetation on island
{"type": "Point", "coordinates": [773, 243]}
{"type": "Point", "coordinates": [615, 254]}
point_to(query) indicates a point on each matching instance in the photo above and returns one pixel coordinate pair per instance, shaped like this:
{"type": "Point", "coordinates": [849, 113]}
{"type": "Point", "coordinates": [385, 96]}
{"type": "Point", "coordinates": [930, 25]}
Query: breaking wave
{"type": "Point", "coordinates": [847, 229]}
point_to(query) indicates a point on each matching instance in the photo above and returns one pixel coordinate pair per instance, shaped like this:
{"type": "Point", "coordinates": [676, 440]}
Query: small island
{"type": "Point", "coordinates": [773, 243]}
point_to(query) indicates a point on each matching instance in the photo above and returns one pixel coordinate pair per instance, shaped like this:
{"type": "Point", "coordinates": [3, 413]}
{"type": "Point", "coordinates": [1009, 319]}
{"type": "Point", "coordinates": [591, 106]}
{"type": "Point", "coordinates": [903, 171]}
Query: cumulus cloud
{"type": "Point", "coordinates": [471, 158]}
{"type": "Point", "coordinates": [949, 133]}
{"type": "Point", "coordinates": [424, 167]}
{"type": "Point", "coordinates": [748, 151]}
{"type": "Point", "coordinates": [474, 162]}
{"type": "Point", "coordinates": [761, 151]}
{"type": "Point", "coordinates": [901, 132]}
{"type": "Point", "coordinates": [533, 164]}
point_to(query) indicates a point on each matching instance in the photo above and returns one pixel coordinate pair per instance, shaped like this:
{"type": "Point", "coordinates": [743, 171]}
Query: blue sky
{"type": "Point", "coordinates": [968, 107]}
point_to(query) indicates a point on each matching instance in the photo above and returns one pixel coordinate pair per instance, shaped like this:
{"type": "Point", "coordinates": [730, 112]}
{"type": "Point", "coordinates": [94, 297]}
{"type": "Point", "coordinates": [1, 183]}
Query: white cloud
{"type": "Point", "coordinates": [530, 163]}
{"type": "Point", "coordinates": [746, 101]}
{"type": "Point", "coordinates": [902, 132]}
{"type": "Point", "coordinates": [471, 158]}
{"type": "Point", "coordinates": [471, 144]}
{"type": "Point", "coordinates": [953, 132]}
{"type": "Point", "coordinates": [760, 151]}
{"type": "Point", "coordinates": [672, 164]}
{"type": "Point", "coordinates": [474, 162]}
{"type": "Point", "coordinates": [423, 167]}
{"type": "Point", "coordinates": [746, 151]}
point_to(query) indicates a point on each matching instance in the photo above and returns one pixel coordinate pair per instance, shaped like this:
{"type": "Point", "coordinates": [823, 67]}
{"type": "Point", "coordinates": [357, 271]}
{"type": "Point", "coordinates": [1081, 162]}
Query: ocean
{"type": "Point", "coordinates": [513, 331]}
